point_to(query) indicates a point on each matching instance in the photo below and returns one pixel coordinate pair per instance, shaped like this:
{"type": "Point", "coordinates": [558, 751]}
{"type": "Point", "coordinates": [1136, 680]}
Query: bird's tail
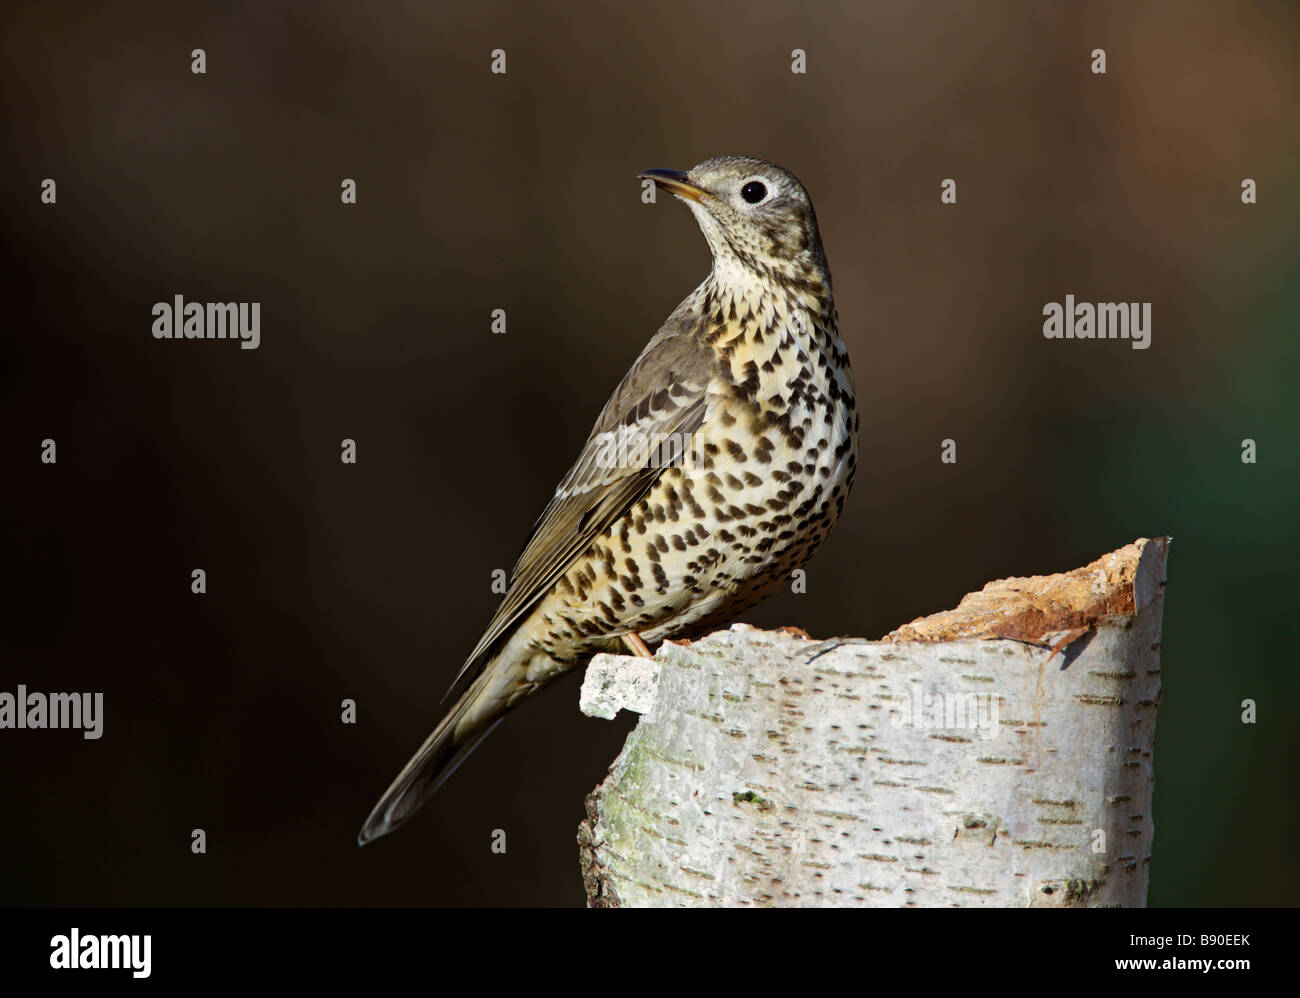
{"type": "Point", "coordinates": [455, 737]}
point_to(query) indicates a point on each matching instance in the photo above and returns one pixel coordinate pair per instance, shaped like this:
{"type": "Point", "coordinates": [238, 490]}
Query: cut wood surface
{"type": "Point", "coordinates": [996, 754]}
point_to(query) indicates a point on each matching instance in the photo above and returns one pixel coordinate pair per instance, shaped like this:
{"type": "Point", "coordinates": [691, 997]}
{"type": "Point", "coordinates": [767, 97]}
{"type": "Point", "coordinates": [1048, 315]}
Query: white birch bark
{"type": "Point", "coordinates": [959, 762]}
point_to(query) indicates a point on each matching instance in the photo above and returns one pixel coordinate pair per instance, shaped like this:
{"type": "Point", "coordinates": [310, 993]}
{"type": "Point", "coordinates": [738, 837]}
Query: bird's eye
{"type": "Point", "coordinates": [753, 192]}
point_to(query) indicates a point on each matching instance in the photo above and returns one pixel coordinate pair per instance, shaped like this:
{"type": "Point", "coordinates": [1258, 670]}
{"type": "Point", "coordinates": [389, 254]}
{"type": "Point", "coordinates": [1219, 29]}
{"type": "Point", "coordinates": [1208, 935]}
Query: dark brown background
{"type": "Point", "coordinates": [479, 191]}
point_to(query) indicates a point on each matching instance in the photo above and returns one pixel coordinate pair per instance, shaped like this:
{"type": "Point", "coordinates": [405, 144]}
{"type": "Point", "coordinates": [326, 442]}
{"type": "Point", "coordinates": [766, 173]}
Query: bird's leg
{"type": "Point", "coordinates": [633, 641]}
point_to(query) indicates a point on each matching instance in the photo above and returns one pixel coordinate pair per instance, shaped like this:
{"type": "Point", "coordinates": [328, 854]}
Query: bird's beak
{"type": "Point", "coordinates": [672, 181]}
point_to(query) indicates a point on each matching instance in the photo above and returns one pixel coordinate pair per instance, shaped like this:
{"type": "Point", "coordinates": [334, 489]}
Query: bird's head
{"type": "Point", "coordinates": [755, 216]}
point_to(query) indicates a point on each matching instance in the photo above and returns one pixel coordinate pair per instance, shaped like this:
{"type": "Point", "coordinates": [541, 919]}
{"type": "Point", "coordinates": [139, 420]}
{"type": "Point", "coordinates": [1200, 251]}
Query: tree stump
{"type": "Point", "coordinates": [997, 754]}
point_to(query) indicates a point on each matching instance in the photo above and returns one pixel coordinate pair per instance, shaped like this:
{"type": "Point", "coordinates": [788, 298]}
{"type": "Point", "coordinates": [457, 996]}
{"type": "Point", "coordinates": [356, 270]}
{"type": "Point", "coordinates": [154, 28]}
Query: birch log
{"type": "Point", "coordinates": [998, 754]}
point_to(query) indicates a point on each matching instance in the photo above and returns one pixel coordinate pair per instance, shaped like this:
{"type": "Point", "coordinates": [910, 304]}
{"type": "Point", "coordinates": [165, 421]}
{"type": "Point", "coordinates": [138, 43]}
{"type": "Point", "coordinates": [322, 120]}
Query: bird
{"type": "Point", "coordinates": [715, 469]}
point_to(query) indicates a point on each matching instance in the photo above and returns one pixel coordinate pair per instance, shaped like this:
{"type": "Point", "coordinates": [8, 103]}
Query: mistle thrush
{"type": "Point", "coordinates": [715, 469]}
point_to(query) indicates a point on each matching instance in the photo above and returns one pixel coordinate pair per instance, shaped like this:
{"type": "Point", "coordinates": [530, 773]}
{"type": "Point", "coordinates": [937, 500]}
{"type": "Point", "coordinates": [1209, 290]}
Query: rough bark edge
{"type": "Point", "coordinates": [600, 888]}
{"type": "Point", "coordinates": [1025, 609]}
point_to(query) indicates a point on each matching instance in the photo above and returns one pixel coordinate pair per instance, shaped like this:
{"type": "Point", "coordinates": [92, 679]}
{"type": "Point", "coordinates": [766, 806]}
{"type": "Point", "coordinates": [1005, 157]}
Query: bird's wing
{"type": "Point", "coordinates": [662, 397]}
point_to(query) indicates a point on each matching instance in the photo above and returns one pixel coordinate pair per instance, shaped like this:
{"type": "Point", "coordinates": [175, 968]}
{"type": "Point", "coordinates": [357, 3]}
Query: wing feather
{"type": "Point", "coordinates": [663, 396]}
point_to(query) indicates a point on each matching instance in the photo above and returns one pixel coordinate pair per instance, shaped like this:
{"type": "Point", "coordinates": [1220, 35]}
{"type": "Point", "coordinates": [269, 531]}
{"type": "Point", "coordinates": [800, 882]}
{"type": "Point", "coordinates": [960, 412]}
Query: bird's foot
{"type": "Point", "coordinates": [798, 632]}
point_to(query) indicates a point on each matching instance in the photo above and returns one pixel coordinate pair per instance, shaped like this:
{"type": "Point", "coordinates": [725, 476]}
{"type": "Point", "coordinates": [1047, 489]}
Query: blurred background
{"type": "Point", "coordinates": [479, 191]}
